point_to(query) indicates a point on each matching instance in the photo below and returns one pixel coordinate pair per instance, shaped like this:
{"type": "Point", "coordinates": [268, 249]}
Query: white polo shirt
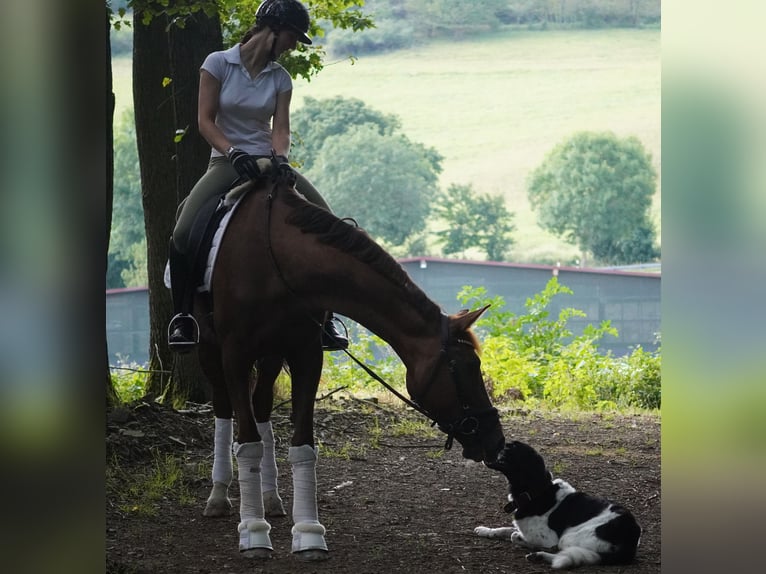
{"type": "Point", "coordinates": [246, 105]}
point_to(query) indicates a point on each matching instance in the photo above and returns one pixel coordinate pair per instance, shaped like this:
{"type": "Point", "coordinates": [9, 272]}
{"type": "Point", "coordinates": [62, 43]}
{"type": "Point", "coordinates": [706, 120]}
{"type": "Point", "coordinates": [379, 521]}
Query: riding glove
{"type": "Point", "coordinates": [283, 165]}
{"type": "Point", "coordinates": [243, 162]}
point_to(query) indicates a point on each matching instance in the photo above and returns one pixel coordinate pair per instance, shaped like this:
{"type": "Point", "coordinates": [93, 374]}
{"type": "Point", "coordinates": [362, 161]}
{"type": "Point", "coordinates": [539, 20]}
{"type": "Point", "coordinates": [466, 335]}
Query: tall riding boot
{"type": "Point", "coordinates": [183, 331]}
{"type": "Point", "coordinates": [332, 339]}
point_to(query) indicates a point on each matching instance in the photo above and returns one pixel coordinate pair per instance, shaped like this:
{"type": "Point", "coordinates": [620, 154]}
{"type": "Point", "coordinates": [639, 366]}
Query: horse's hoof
{"type": "Point", "coordinates": [313, 555]}
{"type": "Point", "coordinates": [217, 507]}
{"type": "Point", "coordinates": [272, 504]}
{"type": "Point", "coordinates": [257, 553]}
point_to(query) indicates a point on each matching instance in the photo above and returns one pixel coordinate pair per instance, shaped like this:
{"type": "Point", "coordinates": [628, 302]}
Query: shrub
{"type": "Point", "coordinates": [341, 371]}
{"type": "Point", "coordinates": [130, 382]}
{"type": "Point", "coordinates": [532, 357]}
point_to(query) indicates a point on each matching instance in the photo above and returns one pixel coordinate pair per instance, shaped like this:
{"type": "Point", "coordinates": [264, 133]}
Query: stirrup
{"type": "Point", "coordinates": [183, 333]}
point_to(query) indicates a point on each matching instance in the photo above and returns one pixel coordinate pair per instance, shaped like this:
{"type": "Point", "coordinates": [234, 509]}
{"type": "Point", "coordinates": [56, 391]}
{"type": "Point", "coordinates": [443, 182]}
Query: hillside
{"type": "Point", "coordinates": [494, 106]}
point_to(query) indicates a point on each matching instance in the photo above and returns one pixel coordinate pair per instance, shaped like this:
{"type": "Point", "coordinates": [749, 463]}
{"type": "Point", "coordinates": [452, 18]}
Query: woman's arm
{"type": "Point", "coordinates": [280, 129]}
{"type": "Point", "coordinates": [207, 109]}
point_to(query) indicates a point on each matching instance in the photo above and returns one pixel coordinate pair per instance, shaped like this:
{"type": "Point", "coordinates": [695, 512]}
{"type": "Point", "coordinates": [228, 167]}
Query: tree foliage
{"type": "Point", "coordinates": [474, 220]}
{"type": "Point", "coordinates": [385, 182]}
{"type": "Point", "coordinates": [318, 120]}
{"type": "Point", "coordinates": [127, 229]}
{"type": "Point", "coordinates": [238, 16]}
{"type": "Point", "coordinates": [401, 23]}
{"type": "Point", "coordinates": [595, 190]}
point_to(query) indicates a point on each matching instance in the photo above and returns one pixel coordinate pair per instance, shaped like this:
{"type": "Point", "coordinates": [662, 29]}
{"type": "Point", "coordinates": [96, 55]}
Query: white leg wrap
{"type": "Point", "coordinates": [269, 471]}
{"type": "Point", "coordinates": [307, 532]}
{"type": "Point", "coordinates": [253, 529]}
{"type": "Point", "coordinates": [271, 500]}
{"type": "Point", "coordinates": [222, 466]}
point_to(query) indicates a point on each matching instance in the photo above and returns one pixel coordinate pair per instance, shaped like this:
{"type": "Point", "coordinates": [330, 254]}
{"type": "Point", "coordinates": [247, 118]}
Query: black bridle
{"type": "Point", "coordinates": [471, 423]}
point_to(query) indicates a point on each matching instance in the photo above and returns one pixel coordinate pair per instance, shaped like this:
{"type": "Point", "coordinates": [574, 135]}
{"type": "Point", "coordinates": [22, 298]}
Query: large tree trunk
{"type": "Point", "coordinates": [168, 171]}
{"type": "Point", "coordinates": [111, 395]}
{"type": "Point", "coordinates": [154, 141]}
{"type": "Point", "coordinates": [188, 48]}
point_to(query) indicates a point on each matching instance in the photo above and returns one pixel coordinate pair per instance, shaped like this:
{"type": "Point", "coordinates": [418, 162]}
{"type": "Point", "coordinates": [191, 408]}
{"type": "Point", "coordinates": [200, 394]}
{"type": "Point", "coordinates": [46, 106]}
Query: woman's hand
{"type": "Point", "coordinates": [243, 162]}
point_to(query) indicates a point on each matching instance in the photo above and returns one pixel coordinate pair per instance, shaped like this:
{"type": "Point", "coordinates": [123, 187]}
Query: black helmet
{"type": "Point", "coordinates": [289, 14]}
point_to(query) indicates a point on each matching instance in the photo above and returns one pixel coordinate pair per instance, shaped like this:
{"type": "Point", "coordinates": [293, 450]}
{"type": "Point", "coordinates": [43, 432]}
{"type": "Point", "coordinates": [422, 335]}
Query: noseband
{"type": "Point", "coordinates": [473, 421]}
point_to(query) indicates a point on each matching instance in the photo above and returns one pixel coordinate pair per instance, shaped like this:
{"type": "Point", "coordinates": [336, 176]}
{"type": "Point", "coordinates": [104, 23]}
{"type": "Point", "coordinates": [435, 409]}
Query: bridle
{"type": "Point", "coordinates": [472, 422]}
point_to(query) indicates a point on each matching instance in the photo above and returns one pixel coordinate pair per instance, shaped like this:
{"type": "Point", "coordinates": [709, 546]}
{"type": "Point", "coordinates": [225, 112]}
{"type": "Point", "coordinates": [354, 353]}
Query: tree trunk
{"type": "Point", "coordinates": [111, 395]}
{"type": "Point", "coordinates": [153, 110]}
{"type": "Point", "coordinates": [168, 170]}
{"type": "Point", "coordinates": [188, 48]}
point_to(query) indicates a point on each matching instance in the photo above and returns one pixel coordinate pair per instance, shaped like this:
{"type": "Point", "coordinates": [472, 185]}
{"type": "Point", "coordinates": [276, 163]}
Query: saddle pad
{"type": "Point", "coordinates": [212, 254]}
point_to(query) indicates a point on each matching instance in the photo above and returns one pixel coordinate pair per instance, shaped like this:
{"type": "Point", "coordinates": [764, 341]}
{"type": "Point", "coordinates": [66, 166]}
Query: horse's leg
{"type": "Point", "coordinates": [254, 540]}
{"type": "Point", "coordinates": [218, 503]}
{"type": "Point", "coordinates": [263, 401]}
{"type": "Point", "coordinates": [308, 533]}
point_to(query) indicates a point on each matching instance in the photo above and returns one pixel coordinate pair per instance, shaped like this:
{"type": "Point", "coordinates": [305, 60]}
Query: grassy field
{"type": "Point", "coordinates": [494, 107]}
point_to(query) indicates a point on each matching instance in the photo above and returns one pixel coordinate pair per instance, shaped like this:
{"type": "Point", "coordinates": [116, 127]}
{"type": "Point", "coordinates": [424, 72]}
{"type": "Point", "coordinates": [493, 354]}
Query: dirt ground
{"type": "Point", "coordinates": [392, 501]}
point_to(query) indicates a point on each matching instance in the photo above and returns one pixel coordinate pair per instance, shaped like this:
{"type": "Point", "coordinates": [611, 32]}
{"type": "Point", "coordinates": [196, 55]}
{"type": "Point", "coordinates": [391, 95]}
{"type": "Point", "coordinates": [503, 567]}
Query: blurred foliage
{"type": "Point", "coordinates": [127, 244]}
{"type": "Point", "coordinates": [385, 182]}
{"type": "Point", "coordinates": [595, 190]}
{"type": "Point", "coordinates": [474, 220]}
{"type": "Point", "coordinates": [317, 120]}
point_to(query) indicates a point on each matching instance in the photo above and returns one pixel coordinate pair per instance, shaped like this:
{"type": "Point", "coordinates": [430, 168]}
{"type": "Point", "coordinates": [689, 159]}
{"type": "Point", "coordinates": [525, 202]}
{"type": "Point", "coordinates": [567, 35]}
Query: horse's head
{"type": "Point", "coordinates": [454, 394]}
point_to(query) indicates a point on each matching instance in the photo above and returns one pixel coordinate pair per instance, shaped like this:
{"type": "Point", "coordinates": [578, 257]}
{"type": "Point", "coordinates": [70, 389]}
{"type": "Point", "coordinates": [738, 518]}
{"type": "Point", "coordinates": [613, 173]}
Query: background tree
{"type": "Point", "coordinates": [127, 264]}
{"type": "Point", "coordinates": [171, 38]}
{"type": "Point", "coordinates": [318, 120]}
{"type": "Point", "coordinates": [595, 190]}
{"type": "Point", "coordinates": [111, 394]}
{"type": "Point", "coordinates": [386, 183]}
{"type": "Point", "coordinates": [474, 220]}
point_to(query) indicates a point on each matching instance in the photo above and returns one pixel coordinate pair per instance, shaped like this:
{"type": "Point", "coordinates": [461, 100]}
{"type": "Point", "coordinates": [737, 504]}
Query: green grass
{"type": "Point", "coordinates": [140, 492]}
{"type": "Point", "coordinates": [494, 106]}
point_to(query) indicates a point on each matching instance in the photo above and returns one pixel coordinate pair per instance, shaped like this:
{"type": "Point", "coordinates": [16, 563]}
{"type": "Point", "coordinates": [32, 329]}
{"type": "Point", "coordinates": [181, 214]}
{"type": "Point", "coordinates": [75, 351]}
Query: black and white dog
{"type": "Point", "coordinates": [552, 514]}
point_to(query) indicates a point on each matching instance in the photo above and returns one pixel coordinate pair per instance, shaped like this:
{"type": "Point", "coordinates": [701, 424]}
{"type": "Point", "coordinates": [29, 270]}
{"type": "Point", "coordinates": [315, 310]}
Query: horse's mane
{"type": "Point", "coordinates": [331, 230]}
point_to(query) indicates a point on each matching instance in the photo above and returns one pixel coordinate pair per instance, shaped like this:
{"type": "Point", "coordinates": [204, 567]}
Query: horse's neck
{"type": "Point", "coordinates": [374, 295]}
{"type": "Point", "coordinates": [393, 318]}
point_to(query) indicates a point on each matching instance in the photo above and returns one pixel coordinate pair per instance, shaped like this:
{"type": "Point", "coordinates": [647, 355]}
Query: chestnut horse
{"type": "Point", "coordinates": [282, 262]}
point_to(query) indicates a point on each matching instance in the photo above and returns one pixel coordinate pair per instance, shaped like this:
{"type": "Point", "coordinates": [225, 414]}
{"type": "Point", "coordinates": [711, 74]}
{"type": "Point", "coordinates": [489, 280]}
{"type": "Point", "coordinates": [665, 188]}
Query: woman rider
{"type": "Point", "coordinates": [244, 114]}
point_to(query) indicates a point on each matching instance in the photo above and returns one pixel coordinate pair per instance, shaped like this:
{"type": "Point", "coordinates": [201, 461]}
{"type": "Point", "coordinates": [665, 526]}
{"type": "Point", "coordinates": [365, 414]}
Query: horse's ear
{"type": "Point", "coordinates": [462, 321]}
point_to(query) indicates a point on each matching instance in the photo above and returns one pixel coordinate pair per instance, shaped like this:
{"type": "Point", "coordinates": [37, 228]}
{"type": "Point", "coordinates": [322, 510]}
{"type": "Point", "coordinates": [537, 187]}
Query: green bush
{"type": "Point", "coordinates": [534, 358]}
{"type": "Point", "coordinates": [129, 382]}
{"type": "Point", "coordinates": [340, 371]}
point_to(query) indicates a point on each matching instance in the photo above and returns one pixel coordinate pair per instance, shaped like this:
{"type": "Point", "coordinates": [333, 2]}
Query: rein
{"type": "Point", "coordinates": [468, 425]}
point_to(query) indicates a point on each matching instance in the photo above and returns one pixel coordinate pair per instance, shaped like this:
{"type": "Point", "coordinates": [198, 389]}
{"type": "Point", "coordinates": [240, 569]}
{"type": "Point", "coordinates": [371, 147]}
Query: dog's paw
{"type": "Point", "coordinates": [483, 531]}
{"type": "Point", "coordinates": [535, 557]}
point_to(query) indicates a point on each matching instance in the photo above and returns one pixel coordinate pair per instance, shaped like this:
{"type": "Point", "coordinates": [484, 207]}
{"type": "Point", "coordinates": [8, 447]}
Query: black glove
{"type": "Point", "coordinates": [244, 163]}
{"type": "Point", "coordinates": [283, 166]}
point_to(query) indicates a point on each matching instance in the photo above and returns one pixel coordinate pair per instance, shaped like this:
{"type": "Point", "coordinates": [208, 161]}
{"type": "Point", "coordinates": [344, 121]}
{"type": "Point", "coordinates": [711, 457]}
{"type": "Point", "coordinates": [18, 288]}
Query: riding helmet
{"type": "Point", "coordinates": [289, 14]}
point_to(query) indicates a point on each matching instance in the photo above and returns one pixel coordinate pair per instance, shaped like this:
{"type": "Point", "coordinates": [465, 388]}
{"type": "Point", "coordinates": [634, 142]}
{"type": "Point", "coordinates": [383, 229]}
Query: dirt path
{"type": "Point", "coordinates": [391, 501]}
